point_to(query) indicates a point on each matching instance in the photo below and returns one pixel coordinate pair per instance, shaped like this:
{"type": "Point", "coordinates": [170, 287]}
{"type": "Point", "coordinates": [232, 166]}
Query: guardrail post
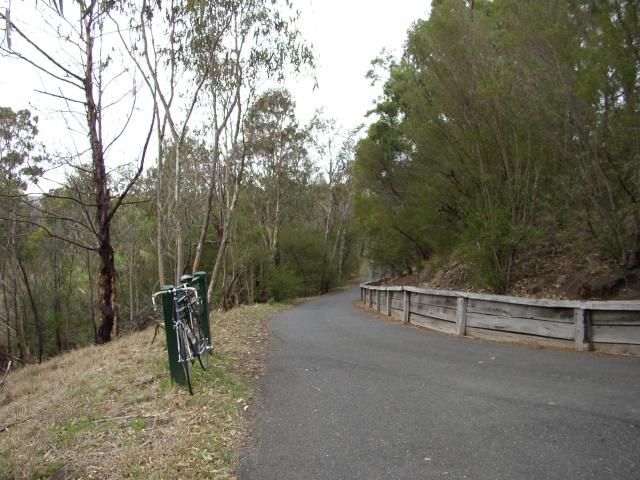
{"type": "Point", "coordinates": [582, 321]}
{"type": "Point", "coordinates": [370, 297]}
{"type": "Point", "coordinates": [175, 369]}
{"type": "Point", "coordinates": [389, 303]}
{"type": "Point", "coordinates": [405, 307]}
{"type": "Point", "coordinates": [461, 316]}
{"type": "Point", "coordinates": [200, 282]}
{"type": "Point", "coordinates": [378, 295]}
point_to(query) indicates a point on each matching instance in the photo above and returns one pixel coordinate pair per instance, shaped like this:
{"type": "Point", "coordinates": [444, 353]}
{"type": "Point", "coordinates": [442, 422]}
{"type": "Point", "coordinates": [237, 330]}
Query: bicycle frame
{"type": "Point", "coordinates": [188, 341]}
{"type": "Point", "coordinates": [177, 319]}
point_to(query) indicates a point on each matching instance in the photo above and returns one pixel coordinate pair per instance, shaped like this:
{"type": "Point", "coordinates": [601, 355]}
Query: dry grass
{"type": "Point", "coordinates": [111, 412]}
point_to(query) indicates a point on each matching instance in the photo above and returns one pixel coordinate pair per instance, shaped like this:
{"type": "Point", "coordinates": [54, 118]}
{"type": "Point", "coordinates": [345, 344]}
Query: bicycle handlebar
{"type": "Point", "coordinates": [172, 291]}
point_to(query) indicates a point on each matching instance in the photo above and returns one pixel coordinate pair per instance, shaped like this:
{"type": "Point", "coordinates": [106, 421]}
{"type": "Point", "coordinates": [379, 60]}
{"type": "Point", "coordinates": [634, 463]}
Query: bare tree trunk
{"type": "Point", "coordinates": [274, 238]}
{"type": "Point", "coordinates": [5, 300]}
{"type": "Point", "coordinates": [178, 219]}
{"type": "Point", "coordinates": [250, 284]}
{"type": "Point", "coordinates": [203, 230]}
{"type": "Point", "coordinates": [57, 315]}
{"type": "Point", "coordinates": [210, 195]}
{"type": "Point", "coordinates": [9, 349]}
{"type": "Point", "coordinates": [224, 241]}
{"type": "Point", "coordinates": [159, 212]}
{"type": "Point", "coordinates": [34, 308]}
{"type": "Point", "coordinates": [92, 294]}
{"type": "Point", "coordinates": [178, 137]}
{"type": "Point", "coordinates": [215, 165]}
{"type": "Point", "coordinates": [107, 280]}
{"type": "Point", "coordinates": [23, 345]}
{"type": "Point", "coordinates": [160, 246]}
{"type": "Point", "coordinates": [224, 301]}
{"type": "Point", "coordinates": [57, 302]}
{"type": "Point", "coordinates": [207, 213]}
{"type": "Point", "coordinates": [106, 294]}
{"type": "Point", "coordinates": [131, 313]}
{"type": "Point", "coordinates": [341, 257]}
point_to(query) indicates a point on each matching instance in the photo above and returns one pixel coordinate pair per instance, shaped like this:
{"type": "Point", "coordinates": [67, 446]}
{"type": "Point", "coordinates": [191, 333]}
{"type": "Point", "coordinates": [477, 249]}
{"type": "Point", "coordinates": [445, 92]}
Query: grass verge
{"type": "Point", "coordinates": [111, 411]}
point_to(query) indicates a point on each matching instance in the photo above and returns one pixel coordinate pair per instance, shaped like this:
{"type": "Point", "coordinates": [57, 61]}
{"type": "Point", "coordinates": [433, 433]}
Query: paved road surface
{"type": "Point", "coordinates": [348, 396]}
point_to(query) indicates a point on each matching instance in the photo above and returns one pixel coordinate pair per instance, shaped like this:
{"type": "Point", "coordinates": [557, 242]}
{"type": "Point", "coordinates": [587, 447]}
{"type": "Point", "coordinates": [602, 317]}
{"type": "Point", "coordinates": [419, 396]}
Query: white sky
{"type": "Point", "coordinates": [346, 35]}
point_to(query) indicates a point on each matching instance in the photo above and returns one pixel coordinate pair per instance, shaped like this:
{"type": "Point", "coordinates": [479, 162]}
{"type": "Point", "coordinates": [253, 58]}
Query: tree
{"type": "Point", "coordinates": [225, 49]}
{"type": "Point", "coordinates": [335, 151]}
{"type": "Point", "coordinates": [279, 161]}
{"type": "Point", "coordinates": [19, 161]}
{"type": "Point", "coordinates": [83, 85]}
{"type": "Point", "coordinates": [503, 123]}
{"type": "Point", "coordinates": [261, 43]}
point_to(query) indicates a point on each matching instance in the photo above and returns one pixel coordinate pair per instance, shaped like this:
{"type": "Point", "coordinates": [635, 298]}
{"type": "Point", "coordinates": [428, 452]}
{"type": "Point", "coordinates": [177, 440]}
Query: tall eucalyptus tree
{"type": "Point", "coordinates": [79, 80]}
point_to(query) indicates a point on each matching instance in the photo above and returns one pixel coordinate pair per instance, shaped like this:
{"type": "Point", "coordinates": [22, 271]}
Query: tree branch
{"type": "Point", "coordinates": [122, 196]}
{"type": "Point", "coordinates": [42, 52]}
{"type": "Point", "coordinates": [50, 233]}
{"type": "Point", "coordinates": [63, 97]}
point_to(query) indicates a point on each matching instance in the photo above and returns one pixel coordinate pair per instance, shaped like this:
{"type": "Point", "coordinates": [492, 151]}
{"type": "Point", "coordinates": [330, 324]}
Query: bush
{"type": "Point", "coordinates": [282, 282]}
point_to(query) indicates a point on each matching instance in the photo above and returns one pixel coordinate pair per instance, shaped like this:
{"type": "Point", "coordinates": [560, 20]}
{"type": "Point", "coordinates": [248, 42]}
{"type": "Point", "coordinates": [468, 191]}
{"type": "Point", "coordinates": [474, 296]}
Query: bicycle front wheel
{"type": "Point", "coordinates": [205, 356]}
{"type": "Point", "coordinates": [183, 355]}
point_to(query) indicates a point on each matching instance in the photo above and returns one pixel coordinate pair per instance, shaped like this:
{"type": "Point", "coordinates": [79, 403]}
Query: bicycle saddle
{"type": "Point", "coordinates": [186, 278]}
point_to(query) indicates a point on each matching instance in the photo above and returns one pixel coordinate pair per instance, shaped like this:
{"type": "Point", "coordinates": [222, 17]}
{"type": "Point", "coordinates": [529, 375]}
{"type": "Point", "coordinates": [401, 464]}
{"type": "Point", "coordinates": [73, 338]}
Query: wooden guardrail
{"type": "Point", "coordinates": [610, 326]}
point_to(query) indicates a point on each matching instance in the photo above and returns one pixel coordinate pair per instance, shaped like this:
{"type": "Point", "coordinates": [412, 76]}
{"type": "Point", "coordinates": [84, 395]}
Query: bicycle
{"type": "Point", "coordinates": [191, 342]}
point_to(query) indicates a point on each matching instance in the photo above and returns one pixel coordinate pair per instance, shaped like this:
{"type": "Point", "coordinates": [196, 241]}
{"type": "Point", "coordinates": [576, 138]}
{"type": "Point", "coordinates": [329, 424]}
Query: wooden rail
{"type": "Point", "coordinates": [610, 326]}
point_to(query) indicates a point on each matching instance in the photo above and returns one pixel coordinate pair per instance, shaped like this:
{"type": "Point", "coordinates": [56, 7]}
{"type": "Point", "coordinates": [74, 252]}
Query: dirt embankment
{"type": "Point", "coordinates": [551, 270]}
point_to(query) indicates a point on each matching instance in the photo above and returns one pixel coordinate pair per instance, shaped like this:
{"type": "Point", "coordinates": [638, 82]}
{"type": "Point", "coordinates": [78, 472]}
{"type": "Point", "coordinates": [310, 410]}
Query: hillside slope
{"type": "Point", "coordinates": [111, 412]}
{"type": "Point", "coordinates": [552, 269]}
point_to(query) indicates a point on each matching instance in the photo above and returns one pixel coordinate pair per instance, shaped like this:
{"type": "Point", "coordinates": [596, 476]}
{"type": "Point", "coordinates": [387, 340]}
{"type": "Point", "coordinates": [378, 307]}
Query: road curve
{"type": "Point", "coordinates": [349, 396]}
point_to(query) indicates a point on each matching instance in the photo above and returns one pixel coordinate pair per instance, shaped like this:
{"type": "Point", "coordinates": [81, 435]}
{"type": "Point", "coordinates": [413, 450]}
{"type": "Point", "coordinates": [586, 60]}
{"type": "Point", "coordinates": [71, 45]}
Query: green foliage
{"type": "Point", "coordinates": [303, 252]}
{"type": "Point", "coordinates": [502, 120]}
{"type": "Point", "coordinates": [281, 282]}
{"type": "Point", "coordinates": [18, 148]}
{"type": "Point", "coordinates": [292, 228]}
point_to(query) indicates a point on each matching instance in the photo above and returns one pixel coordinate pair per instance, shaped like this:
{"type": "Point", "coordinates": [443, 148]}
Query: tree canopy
{"type": "Point", "coordinates": [502, 122]}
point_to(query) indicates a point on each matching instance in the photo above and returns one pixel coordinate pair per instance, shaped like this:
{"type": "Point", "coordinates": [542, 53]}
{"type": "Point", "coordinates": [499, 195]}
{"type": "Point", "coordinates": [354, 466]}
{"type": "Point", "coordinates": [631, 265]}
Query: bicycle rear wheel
{"type": "Point", "coordinates": [203, 350]}
{"type": "Point", "coordinates": [183, 355]}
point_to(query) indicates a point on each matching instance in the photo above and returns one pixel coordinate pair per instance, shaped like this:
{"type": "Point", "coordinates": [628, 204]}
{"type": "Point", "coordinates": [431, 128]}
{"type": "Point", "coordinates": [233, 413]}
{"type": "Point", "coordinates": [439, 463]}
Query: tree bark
{"type": "Point", "coordinates": [178, 219]}
{"type": "Point", "coordinates": [92, 294]}
{"type": "Point", "coordinates": [159, 209]}
{"type": "Point", "coordinates": [108, 327]}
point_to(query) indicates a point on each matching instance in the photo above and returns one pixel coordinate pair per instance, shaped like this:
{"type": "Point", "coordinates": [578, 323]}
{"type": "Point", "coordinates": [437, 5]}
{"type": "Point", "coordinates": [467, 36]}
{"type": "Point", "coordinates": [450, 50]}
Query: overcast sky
{"type": "Point", "coordinates": [346, 36]}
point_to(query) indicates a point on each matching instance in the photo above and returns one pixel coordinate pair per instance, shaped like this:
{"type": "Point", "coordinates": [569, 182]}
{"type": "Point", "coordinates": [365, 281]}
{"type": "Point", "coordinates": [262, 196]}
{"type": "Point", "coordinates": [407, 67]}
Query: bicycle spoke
{"type": "Point", "coordinates": [184, 355]}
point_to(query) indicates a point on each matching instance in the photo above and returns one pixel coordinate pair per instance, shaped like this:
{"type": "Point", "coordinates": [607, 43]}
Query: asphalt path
{"type": "Point", "coordinates": [350, 396]}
